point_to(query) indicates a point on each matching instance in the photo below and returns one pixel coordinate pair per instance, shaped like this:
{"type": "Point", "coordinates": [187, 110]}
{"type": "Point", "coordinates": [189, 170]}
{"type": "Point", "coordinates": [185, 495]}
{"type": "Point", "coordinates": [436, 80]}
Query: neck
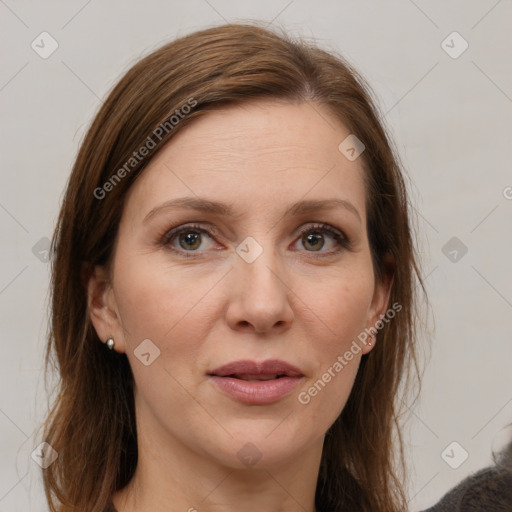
{"type": "Point", "coordinates": [172, 477]}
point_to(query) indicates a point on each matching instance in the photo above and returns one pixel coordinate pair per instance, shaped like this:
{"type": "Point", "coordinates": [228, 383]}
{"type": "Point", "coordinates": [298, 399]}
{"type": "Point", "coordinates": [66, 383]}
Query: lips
{"type": "Point", "coordinates": [257, 377]}
{"type": "Point", "coordinates": [256, 383]}
{"type": "Point", "coordinates": [251, 370]}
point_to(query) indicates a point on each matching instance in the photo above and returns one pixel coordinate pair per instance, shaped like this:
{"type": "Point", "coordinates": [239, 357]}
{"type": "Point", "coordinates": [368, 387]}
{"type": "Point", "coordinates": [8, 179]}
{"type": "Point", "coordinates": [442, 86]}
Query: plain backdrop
{"type": "Point", "coordinates": [448, 108]}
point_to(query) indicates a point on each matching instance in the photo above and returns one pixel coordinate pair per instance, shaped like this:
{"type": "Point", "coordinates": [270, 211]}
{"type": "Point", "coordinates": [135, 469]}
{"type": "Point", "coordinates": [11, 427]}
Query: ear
{"type": "Point", "coordinates": [380, 301]}
{"type": "Point", "coordinates": [101, 305]}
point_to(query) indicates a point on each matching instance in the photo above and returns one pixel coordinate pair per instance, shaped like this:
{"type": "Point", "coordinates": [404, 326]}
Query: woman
{"type": "Point", "coordinates": [233, 288]}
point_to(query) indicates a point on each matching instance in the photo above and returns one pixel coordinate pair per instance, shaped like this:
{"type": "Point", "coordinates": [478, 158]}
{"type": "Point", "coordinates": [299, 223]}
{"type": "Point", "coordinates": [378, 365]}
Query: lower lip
{"type": "Point", "coordinates": [256, 392]}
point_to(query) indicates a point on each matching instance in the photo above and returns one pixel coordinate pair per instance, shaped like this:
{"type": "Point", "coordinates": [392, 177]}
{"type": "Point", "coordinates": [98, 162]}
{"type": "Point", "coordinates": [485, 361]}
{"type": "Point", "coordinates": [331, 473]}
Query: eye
{"type": "Point", "coordinates": [189, 238]}
{"type": "Point", "coordinates": [317, 237]}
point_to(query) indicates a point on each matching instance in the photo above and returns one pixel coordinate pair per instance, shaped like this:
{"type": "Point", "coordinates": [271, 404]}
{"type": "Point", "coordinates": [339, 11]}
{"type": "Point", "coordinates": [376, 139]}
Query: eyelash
{"type": "Point", "coordinates": [338, 236]}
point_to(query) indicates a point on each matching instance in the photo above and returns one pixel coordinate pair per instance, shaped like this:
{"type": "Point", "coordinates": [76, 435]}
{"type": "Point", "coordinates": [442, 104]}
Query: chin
{"type": "Point", "coordinates": [262, 444]}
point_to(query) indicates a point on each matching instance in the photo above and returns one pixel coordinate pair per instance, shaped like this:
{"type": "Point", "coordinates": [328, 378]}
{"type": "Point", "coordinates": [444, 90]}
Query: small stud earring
{"type": "Point", "coordinates": [110, 343]}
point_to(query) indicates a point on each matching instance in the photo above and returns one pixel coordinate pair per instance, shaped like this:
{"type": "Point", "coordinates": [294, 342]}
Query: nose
{"type": "Point", "coordinates": [259, 296]}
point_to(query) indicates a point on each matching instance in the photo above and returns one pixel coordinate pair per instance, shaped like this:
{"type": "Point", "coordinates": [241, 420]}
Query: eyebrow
{"type": "Point", "coordinates": [228, 210]}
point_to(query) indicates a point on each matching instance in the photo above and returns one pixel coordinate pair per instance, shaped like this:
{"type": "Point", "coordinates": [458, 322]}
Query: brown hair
{"type": "Point", "coordinates": [92, 423]}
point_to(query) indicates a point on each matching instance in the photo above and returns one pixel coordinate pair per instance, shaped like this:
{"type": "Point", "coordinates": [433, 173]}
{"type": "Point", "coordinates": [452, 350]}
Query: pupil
{"type": "Point", "coordinates": [191, 240]}
{"type": "Point", "coordinates": [314, 238]}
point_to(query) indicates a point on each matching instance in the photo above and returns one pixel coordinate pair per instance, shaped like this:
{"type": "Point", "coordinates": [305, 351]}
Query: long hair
{"type": "Point", "coordinates": [92, 422]}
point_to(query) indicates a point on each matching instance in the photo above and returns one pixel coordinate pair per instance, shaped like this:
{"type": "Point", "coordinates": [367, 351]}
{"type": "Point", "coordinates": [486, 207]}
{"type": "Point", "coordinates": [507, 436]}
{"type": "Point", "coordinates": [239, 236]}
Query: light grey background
{"type": "Point", "coordinates": [450, 117]}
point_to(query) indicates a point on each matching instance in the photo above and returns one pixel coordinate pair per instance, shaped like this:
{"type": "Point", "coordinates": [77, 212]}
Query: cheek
{"type": "Point", "coordinates": [338, 305]}
{"type": "Point", "coordinates": [338, 312]}
{"type": "Point", "coordinates": [157, 302]}
{"type": "Point", "coordinates": [173, 307]}
{"type": "Point", "coordinates": [154, 298]}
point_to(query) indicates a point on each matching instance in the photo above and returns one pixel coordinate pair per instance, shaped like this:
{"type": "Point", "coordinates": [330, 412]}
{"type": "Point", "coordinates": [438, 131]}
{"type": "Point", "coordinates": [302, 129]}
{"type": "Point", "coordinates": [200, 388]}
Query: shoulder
{"type": "Point", "coordinates": [489, 490]}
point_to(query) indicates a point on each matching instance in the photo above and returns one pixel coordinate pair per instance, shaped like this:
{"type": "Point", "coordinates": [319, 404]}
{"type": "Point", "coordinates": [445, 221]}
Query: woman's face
{"type": "Point", "coordinates": [272, 263]}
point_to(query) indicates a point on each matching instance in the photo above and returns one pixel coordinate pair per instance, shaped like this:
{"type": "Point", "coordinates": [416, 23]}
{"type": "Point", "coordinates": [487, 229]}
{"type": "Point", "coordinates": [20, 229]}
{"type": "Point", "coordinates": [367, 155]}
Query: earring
{"type": "Point", "coordinates": [110, 343]}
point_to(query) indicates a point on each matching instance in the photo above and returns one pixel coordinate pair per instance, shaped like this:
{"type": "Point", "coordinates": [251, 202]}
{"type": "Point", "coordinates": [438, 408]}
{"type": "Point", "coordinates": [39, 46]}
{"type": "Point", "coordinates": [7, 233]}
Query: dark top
{"type": "Point", "coordinates": [489, 490]}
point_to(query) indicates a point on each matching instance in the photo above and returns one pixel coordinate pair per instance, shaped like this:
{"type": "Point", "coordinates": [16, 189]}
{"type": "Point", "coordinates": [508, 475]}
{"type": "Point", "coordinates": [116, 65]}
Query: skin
{"type": "Point", "coordinates": [293, 303]}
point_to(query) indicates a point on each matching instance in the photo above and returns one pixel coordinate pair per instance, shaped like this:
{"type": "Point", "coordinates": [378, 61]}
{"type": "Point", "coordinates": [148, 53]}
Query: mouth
{"type": "Point", "coordinates": [255, 378]}
{"type": "Point", "coordinates": [256, 383]}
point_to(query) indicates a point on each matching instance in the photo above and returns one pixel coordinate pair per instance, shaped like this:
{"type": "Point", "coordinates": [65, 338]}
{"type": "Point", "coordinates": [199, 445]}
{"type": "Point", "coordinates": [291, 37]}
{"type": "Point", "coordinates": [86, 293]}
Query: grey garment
{"type": "Point", "coordinates": [489, 490]}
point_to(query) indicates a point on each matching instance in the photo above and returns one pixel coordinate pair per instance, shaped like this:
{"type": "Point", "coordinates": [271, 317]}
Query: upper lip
{"type": "Point", "coordinates": [264, 368]}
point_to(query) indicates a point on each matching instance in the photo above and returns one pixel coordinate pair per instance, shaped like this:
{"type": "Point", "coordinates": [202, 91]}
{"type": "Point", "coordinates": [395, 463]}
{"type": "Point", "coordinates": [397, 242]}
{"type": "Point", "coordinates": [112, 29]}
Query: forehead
{"type": "Point", "coordinates": [259, 155]}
